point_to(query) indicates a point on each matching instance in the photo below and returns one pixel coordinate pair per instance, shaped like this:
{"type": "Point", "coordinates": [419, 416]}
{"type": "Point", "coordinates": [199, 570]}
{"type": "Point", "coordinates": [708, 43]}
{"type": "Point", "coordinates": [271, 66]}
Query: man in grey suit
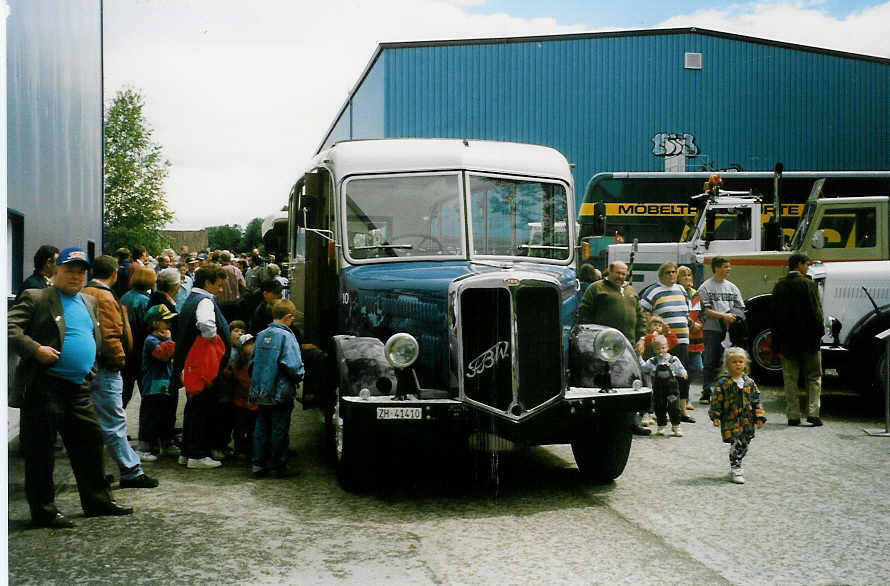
{"type": "Point", "coordinates": [56, 333]}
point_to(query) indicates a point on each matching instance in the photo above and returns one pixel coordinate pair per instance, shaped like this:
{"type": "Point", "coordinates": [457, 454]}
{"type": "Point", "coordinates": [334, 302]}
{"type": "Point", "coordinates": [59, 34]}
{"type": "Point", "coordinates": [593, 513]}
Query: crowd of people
{"type": "Point", "coordinates": [88, 332]}
{"type": "Point", "coordinates": [220, 328]}
{"type": "Point", "coordinates": [679, 332]}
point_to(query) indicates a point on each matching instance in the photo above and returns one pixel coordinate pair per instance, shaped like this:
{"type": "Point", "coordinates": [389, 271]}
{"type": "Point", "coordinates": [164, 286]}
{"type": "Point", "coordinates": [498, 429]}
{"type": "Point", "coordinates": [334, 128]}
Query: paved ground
{"type": "Point", "coordinates": [815, 510]}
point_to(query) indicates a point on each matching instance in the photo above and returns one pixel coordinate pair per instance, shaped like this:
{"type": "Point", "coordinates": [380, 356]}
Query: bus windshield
{"type": "Point", "coordinates": [516, 217]}
{"type": "Point", "coordinates": [404, 216]}
{"type": "Point", "coordinates": [422, 216]}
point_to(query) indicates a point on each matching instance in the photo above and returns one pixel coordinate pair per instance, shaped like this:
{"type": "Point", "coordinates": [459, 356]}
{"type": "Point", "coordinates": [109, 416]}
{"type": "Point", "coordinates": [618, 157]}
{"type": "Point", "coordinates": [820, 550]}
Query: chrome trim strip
{"type": "Point", "coordinates": [575, 393]}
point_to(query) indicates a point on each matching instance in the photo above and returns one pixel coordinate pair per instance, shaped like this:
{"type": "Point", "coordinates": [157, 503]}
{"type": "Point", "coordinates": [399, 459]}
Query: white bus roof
{"type": "Point", "coordinates": [441, 154]}
{"type": "Point", "coordinates": [270, 221]}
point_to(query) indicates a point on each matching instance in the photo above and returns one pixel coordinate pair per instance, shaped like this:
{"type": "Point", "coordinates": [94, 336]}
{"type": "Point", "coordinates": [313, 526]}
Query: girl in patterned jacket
{"type": "Point", "coordinates": [736, 408]}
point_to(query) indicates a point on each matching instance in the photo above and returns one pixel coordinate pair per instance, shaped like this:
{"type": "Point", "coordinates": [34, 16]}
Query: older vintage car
{"type": "Point", "coordinates": [856, 304]}
{"type": "Point", "coordinates": [439, 276]}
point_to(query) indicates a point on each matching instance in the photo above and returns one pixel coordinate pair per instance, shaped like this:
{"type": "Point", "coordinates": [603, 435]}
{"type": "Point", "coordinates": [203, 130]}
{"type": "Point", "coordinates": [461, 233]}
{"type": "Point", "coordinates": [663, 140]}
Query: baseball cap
{"type": "Point", "coordinates": [158, 313]}
{"type": "Point", "coordinates": [73, 255]}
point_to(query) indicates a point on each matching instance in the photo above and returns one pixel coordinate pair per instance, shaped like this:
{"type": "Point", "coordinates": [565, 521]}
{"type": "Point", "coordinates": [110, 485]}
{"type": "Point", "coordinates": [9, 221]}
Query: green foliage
{"type": "Point", "coordinates": [226, 237]}
{"type": "Point", "coordinates": [253, 236]}
{"type": "Point", "coordinates": [135, 170]}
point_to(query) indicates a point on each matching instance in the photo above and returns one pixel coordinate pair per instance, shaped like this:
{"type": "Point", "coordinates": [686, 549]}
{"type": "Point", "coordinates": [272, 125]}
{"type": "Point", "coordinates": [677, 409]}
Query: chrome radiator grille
{"type": "Point", "coordinates": [511, 346]}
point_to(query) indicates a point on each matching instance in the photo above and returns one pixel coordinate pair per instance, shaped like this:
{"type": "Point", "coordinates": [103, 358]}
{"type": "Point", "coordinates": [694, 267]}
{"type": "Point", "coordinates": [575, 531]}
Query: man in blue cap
{"type": "Point", "coordinates": [56, 333]}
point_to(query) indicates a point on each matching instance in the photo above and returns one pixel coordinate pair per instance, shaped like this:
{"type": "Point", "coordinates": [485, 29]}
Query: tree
{"type": "Point", "coordinates": [253, 236]}
{"type": "Point", "coordinates": [225, 237]}
{"type": "Point", "coordinates": [135, 170]}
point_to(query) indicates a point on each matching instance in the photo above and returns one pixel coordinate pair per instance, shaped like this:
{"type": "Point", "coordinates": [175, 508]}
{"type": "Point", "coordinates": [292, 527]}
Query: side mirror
{"type": "Point", "coordinates": [306, 196]}
{"type": "Point", "coordinates": [709, 227]}
{"type": "Point", "coordinates": [772, 239]}
{"type": "Point", "coordinates": [599, 219]}
{"type": "Point", "coordinates": [818, 239]}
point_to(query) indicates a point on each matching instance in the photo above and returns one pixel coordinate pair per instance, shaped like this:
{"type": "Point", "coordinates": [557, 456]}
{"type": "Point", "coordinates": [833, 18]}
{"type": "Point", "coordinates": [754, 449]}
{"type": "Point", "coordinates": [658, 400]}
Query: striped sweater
{"type": "Point", "coordinates": [669, 303]}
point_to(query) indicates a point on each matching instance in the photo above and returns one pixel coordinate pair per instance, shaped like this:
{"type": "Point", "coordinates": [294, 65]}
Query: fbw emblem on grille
{"type": "Point", "coordinates": [488, 359]}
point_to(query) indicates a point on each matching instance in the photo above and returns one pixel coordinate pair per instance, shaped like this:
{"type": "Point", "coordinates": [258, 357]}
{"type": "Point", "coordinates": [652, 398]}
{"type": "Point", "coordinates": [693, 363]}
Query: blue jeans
{"type": "Point", "coordinates": [271, 436]}
{"type": "Point", "coordinates": [106, 393]}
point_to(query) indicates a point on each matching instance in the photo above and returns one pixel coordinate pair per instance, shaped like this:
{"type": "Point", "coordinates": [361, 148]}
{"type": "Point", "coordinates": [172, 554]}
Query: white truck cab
{"type": "Point", "coordinates": [727, 223]}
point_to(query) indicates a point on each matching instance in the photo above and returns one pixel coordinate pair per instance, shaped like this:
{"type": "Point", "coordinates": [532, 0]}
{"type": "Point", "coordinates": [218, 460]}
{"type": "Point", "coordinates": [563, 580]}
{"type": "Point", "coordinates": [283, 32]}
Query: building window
{"type": "Point", "coordinates": [15, 243]}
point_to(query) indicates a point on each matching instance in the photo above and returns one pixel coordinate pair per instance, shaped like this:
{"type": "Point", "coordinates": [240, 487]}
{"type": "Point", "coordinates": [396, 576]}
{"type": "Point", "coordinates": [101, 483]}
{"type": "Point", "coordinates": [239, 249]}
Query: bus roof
{"type": "Point", "coordinates": [420, 154]}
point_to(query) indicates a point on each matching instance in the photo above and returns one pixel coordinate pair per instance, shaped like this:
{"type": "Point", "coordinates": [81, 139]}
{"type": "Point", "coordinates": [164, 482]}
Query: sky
{"type": "Point", "coordinates": [239, 94]}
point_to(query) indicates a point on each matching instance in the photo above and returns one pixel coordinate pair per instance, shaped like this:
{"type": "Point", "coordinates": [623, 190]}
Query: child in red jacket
{"type": "Point", "coordinates": [156, 418]}
{"type": "Point", "coordinates": [245, 411]}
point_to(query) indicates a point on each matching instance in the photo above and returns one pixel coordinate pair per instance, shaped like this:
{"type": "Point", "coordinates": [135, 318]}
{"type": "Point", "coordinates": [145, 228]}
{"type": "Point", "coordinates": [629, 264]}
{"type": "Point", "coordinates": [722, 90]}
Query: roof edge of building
{"type": "Point", "coordinates": [632, 33]}
{"type": "Point", "coordinates": [381, 47]}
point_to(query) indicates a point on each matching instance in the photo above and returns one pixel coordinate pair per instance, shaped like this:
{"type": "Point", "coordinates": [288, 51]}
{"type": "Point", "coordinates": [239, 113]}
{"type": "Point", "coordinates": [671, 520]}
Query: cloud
{"type": "Point", "coordinates": [240, 93]}
{"type": "Point", "coordinates": [804, 23]}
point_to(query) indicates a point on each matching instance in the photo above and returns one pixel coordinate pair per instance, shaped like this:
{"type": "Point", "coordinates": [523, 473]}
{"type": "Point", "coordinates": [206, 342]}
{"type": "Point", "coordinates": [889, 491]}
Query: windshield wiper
{"type": "Point", "coordinates": [378, 246]}
{"type": "Point", "coordinates": [542, 246]}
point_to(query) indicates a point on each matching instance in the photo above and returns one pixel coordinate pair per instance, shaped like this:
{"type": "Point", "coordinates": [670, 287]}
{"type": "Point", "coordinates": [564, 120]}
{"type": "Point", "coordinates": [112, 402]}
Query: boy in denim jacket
{"type": "Point", "coordinates": [276, 369]}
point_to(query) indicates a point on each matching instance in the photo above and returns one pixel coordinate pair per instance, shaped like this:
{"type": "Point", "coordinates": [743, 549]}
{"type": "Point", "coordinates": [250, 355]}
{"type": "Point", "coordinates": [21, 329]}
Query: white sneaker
{"type": "Point", "coordinates": [660, 430]}
{"type": "Point", "coordinates": [217, 454]}
{"type": "Point", "coordinates": [146, 456]}
{"type": "Point", "coordinates": [203, 464]}
{"type": "Point", "coordinates": [675, 431]}
{"type": "Point", "coordinates": [737, 476]}
{"type": "Point", "coordinates": [183, 460]}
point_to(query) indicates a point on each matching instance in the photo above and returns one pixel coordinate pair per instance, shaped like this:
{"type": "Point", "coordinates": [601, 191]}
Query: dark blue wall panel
{"type": "Point", "coordinates": [600, 99]}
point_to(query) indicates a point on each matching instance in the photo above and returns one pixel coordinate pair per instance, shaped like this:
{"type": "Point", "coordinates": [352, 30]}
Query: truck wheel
{"type": "Point", "coordinates": [765, 363]}
{"type": "Point", "coordinates": [869, 368]}
{"type": "Point", "coordinates": [601, 453]}
{"type": "Point", "coordinates": [351, 454]}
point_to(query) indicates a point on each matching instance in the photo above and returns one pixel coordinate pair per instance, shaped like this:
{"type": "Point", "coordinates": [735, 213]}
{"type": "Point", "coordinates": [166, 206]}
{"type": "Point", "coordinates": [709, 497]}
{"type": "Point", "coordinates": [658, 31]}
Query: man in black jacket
{"type": "Point", "coordinates": [44, 268]}
{"type": "Point", "coordinates": [797, 335]}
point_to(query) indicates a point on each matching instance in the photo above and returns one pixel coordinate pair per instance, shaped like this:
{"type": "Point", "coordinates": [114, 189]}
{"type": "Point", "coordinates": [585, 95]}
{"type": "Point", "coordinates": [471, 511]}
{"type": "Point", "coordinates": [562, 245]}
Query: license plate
{"type": "Point", "coordinates": [398, 412]}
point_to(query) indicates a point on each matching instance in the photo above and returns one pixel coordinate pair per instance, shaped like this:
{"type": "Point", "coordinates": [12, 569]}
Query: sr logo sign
{"type": "Point", "coordinates": [671, 144]}
{"type": "Point", "coordinates": [488, 359]}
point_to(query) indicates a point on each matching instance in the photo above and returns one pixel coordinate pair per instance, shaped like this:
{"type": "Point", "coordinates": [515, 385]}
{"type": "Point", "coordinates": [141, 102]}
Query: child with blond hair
{"type": "Point", "coordinates": [665, 369]}
{"type": "Point", "coordinates": [656, 326]}
{"type": "Point", "coordinates": [736, 408]}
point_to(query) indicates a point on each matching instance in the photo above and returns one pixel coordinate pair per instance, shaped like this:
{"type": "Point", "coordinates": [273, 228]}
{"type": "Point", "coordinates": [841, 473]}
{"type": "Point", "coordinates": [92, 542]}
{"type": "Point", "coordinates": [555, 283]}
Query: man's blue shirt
{"type": "Point", "coordinates": [79, 346]}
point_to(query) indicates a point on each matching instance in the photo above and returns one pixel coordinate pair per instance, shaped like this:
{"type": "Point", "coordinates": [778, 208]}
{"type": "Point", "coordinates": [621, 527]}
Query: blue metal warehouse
{"type": "Point", "coordinates": [649, 100]}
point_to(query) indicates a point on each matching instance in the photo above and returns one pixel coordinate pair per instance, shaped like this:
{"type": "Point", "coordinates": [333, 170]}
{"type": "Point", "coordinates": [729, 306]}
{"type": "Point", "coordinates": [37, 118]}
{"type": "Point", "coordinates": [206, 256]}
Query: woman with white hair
{"type": "Point", "coordinates": [275, 273]}
{"type": "Point", "coordinates": [165, 290]}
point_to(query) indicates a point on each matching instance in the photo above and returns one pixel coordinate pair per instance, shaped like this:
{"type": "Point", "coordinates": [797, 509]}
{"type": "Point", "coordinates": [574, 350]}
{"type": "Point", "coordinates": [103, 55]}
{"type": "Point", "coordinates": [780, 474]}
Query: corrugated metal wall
{"type": "Point", "coordinates": [601, 100]}
{"type": "Point", "coordinates": [54, 101]}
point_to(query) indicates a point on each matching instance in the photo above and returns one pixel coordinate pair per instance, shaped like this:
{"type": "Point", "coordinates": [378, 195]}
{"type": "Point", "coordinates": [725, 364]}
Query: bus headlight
{"type": "Point", "coordinates": [610, 345]}
{"type": "Point", "coordinates": [401, 350]}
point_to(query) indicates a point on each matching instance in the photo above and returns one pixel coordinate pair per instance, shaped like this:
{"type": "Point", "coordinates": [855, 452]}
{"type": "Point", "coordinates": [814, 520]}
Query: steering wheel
{"type": "Point", "coordinates": [422, 238]}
